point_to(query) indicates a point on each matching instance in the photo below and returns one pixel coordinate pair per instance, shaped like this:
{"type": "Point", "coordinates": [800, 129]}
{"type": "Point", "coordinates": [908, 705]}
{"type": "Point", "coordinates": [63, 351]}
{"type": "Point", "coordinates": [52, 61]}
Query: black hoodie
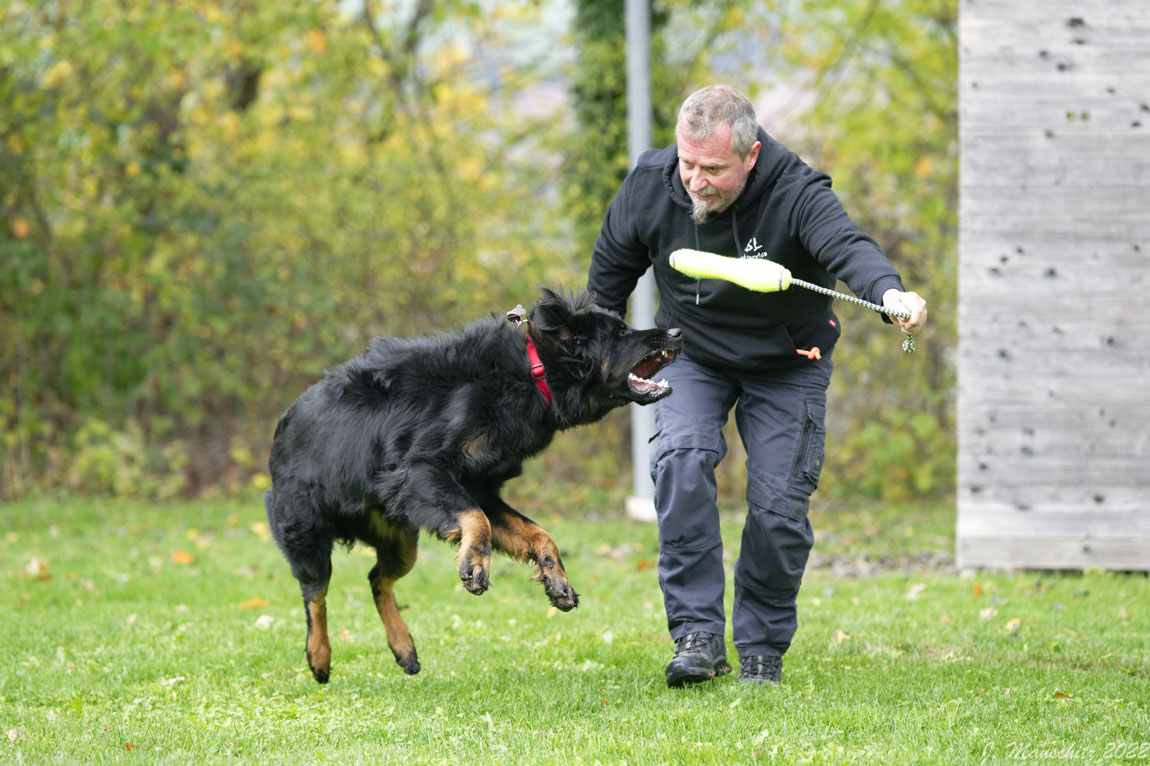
{"type": "Point", "coordinates": [787, 213]}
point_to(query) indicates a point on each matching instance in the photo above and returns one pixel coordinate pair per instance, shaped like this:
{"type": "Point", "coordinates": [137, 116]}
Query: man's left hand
{"type": "Point", "coordinates": [897, 300]}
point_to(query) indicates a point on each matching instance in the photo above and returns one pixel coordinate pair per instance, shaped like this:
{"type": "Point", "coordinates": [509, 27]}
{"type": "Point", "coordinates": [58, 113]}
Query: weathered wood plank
{"type": "Point", "coordinates": [1061, 470]}
{"type": "Point", "coordinates": [1133, 12]}
{"type": "Point", "coordinates": [987, 247]}
{"type": "Point", "coordinates": [1100, 206]}
{"type": "Point", "coordinates": [1049, 45]}
{"type": "Point", "coordinates": [991, 444]}
{"type": "Point", "coordinates": [975, 497]}
{"type": "Point", "coordinates": [1066, 276]}
{"type": "Point", "coordinates": [1095, 415]}
{"type": "Point", "coordinates": [1077, 525]}
{"type": "Point", "coordinates": [1124, 554]}
{"type": "Point", "coordinates": [993, 308]}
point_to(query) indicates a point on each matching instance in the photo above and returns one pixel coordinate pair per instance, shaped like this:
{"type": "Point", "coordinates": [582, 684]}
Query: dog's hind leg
{"type": "Point", "coordinates": [307, 547]}
{"type": "Point", "coordinates": [395, 556]}
{"type": "Point", "coordinates": [521, 538]}
{"type": "Point", "coordinates": [318, 647]}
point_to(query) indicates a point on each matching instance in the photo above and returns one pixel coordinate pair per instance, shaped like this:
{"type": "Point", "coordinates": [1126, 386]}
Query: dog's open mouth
{"type": "Point", "coordinates": [640, 376]}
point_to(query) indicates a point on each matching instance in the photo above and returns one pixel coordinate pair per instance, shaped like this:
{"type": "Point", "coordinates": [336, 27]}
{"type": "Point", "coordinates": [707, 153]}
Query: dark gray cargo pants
{"type": "Point", "coordinates": [780, 417]}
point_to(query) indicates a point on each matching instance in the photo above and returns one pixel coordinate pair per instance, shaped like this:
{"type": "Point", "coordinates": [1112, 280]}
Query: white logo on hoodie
{"type": "Point", "coordinates": [752, 249]}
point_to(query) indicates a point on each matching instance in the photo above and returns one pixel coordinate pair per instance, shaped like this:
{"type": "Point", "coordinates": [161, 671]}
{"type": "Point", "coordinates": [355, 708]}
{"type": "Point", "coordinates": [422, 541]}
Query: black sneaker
{"type": "Point", "coordinates": [698, 657]}
{"type": "Point", "coordinates": [761, 670]}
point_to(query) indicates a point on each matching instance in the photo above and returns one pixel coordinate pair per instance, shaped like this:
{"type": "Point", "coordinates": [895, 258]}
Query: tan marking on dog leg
{"type": "Point", "coordinates": [318, 644]}
{"type": "Point", "coordinates": [474, 551]}
{"type": "Point", "coordinates": [523, 539]}
{"type": "Point", "coordinates": [399, 638]}
{"type": "Point", "coordinates": [383, 591]}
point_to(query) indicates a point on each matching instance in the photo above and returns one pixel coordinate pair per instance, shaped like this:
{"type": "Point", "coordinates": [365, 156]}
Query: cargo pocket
{"type": "Point", "coordinates": [808, 463]}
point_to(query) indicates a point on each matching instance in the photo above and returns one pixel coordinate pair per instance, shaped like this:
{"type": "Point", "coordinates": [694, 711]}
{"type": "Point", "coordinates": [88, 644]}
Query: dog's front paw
{"type": "Point", "coordinates": [475, 577]}
{"type": "Point", "coordinates": [409, 663]}
{"type": "Point", "coordinates": [562, 595]}
{"type": "Point", "coordinates": [556, 585]}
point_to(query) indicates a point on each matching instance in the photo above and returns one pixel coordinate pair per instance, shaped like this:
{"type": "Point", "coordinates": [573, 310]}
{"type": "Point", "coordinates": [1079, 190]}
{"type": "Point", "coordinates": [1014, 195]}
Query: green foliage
{"type": "Point", "coordinates": [204, 205]}
{"type": "Point", "coordinates": [883, 122]}
{"type": "Point", "coordinates": [122, 463]}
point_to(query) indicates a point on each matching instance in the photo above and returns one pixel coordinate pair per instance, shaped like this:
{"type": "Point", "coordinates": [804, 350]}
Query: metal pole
{"type": "Point", "coordinates": [641, 503]}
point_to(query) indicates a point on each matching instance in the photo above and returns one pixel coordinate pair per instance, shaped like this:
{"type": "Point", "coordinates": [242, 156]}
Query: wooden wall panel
{"type": "Point", "coordinates": [1054, 273]}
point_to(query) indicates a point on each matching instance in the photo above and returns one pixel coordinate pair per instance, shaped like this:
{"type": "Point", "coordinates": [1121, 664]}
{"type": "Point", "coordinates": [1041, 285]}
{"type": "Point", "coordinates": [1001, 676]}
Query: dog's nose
{"type": "Point", "coordinates": [675, 332]}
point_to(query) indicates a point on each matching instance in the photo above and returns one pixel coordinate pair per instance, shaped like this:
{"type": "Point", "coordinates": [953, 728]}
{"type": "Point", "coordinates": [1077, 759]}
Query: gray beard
{"type": "Point", "coordinates": [700, 210]}
{"type": "Point", "coordinates": [701, 206]}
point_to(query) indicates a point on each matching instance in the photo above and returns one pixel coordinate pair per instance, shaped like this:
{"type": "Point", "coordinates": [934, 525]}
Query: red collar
{"type": "Point", "coordinates": [537, 371]}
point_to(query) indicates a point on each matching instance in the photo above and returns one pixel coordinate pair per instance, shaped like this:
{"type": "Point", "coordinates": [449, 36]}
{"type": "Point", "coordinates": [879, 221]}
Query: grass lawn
{"type": "Point", "coordinates": [174, 633]}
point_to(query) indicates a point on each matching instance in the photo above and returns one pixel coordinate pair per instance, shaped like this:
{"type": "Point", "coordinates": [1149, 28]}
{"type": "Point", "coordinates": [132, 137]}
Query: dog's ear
{"type": "Point", "coordinates": [553, 312]}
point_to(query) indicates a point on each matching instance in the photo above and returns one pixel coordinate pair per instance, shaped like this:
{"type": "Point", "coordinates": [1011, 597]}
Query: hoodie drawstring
{"type": "Point", "coordinates": [738, 246]}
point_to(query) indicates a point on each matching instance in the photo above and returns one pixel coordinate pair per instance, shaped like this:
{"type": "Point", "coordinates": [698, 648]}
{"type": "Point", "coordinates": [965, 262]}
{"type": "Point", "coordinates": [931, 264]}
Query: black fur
{"type": "Point", "coordinates": [422, 433]}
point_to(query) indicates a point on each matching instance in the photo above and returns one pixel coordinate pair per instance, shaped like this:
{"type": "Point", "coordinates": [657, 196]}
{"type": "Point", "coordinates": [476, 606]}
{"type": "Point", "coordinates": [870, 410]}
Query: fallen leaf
{"type": "Point", "coordinates": [1061, 695]}
{"type": "Point", "coordinates": [552, 611]}
{"type": "Point", "coordinates": [260, 530]}
{"type": "Point", "coordinates": [182, 557]}
{"type": "Point", "coordinates": [345, 635]}
{"type": "Point", "coordinates": [264, 621]}
{"type": "Point", "coordinates": [944, 617]}
{"type": "Point", "coordinates": [1013, 624]}
{"type": "Point", "coordinates": [173, 681]}
{"type": "Point", "coordinates": [129, 746]}
{"type": "Point", "coordinates": [976, 590]}
{"type": "Point", "coordinates": [1122, 613]}
{"type": "Point", "coordinates": [16, 735]}
{"type": "Point", "coordinates": [38, 568]}
{"type": "Point", "coordinates": [841, 635]}
{"type": "Point", "coordinates": [987, 613]}
{"type": "Point", "coordinates": [915, 591]}
{"type": "Point", "coordinates": [254, 603]}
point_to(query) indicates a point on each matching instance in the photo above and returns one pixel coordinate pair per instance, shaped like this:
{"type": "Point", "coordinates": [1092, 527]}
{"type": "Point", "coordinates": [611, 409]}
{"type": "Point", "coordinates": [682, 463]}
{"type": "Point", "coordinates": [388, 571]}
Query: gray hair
{"type": "Point", "coordinates": [708, 108]}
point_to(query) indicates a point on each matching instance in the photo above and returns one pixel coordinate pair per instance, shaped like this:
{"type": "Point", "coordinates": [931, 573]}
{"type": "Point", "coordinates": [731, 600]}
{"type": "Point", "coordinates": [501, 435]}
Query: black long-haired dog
{"type": "Point", "coordinates": [422, 433]}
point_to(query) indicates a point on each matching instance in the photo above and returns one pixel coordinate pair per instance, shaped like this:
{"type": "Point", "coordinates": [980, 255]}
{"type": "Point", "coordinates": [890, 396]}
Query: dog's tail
{"type": "Point", "coordinates": [273, 522]}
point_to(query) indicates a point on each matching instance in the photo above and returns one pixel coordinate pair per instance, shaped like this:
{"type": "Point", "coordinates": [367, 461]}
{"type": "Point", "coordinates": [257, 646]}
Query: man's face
{"type": "Point", "coordinates": [713, 172]}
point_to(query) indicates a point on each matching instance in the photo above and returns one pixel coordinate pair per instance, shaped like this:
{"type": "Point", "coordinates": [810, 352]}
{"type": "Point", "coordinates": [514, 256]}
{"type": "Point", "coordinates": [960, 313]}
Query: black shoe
{"type": "Point", "coordinates": [698, 657]}
{"type": "Point", "coordinates": [761, 670]}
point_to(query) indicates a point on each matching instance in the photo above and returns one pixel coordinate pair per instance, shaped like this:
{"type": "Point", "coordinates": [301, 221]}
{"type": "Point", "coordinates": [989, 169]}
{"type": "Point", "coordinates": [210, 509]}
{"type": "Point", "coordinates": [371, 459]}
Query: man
{"type": "Point", "coordinates": [727, 187]}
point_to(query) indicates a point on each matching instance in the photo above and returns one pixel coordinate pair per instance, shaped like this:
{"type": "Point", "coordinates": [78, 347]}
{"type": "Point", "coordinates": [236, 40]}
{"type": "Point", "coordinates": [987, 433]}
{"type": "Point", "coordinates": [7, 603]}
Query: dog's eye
{"type": "Point", "coordinates": [624, 332]}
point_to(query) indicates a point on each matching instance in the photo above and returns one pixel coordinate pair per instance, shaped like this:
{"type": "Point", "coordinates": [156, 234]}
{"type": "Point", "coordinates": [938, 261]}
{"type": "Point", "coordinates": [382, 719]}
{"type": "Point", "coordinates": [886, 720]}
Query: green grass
{"type": "Point", "coordinates": [110, 643]}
